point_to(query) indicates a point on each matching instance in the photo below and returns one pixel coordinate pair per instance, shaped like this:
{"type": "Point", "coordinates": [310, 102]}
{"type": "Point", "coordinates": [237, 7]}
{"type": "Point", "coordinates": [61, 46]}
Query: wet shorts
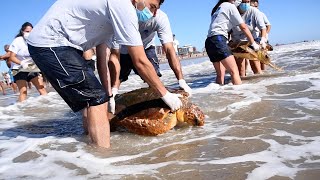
{"type": "Point", "coordinates": [70, 75]}
{"type": "Point", "coordinates": [27, 76]}
{"type": "Point", "coordinates": [127, 65]}
{"type": "Point", "coordinates": [217, 48]}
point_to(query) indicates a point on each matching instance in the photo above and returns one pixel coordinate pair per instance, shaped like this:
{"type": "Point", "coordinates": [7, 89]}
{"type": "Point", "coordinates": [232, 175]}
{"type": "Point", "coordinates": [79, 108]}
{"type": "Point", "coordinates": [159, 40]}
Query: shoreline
{"type": "Point", "coordinates": [163, 59]}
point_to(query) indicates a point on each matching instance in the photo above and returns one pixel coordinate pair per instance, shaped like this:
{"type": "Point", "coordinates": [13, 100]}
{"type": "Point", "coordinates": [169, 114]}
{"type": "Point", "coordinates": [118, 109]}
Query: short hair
{"type": "Point", "coordinates": [6, 46]}
{"type": "Point", "coordinates": [254, 1]}
{"type": "Point", "coordinates": [161, 1]}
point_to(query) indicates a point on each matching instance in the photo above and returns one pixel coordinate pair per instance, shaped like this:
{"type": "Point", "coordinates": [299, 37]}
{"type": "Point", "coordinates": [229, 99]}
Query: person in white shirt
{"type": "Point", "coordinates": [254, 20]}
{"type": "Point", "coordinates": [224, 17]}
{"type": "Point", "coordinates": [20, 57]}
{"type": "Point", "coordinates": [71, 27]}
{"type": "Point", "coordinates": [255, 3]}
{"type": "Point", "coordinates": [175, 44]}
{"type": "Point", "coordinates": [6, 57]}
{"type": "Point", "coordinates": [157, 24]}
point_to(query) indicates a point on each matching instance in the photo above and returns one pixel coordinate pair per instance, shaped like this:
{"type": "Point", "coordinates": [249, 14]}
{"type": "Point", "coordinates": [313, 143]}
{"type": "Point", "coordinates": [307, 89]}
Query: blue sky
{"type": "Point", "coordinates": [291, 20]}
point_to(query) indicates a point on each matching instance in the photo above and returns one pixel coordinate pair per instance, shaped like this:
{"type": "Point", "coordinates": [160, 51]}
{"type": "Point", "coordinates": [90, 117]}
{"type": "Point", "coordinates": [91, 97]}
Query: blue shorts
{"type": "Point", "coordinates": [70, 75]}
{"type": "Point", "coordinates": [217, 48]}
{"type": "Point", "coordinates": [127, 65]}
{"type": "Point", "coordinates": [27, 76]}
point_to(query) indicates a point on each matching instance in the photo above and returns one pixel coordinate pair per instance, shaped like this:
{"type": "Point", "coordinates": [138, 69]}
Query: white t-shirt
{"type": "Point", "coordinates": [159, 25]}
{"type": "Point", "coordinates": [84, 24]}
{"type": "Point", "coordinates": [254, 20]}
{"type": "Point", "coordinates": [265, 19]}
{"type": "Point", "coordinates": [20, 48]}
{"type": "Point", "coordinates": [175, 45]}
{"type": "Point", "coordinates": [224, 19]}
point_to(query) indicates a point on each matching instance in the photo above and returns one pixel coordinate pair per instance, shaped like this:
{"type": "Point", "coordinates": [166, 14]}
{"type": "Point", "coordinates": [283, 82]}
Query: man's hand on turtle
{"type": "Point", "coordinates": [112, 103]}
{"type": "Point", "coordinates": [185, 87]}
{"type": "Point", "coordinates": [172, 100]}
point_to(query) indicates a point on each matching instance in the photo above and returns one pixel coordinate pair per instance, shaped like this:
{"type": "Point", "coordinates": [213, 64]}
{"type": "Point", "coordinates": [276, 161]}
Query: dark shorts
{"type": "Point", "coordinates": [217, 48]}
{"type": "Point", "coordinates": [27, 76]}
{"type": "Point", "coordinates": [70, 75]}
{"type": "Point", "coordinates": [127, 65]}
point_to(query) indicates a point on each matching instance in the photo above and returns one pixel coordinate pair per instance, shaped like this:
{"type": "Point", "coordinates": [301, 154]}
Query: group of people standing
{"type": "Point", "coordinates": [121, 33]}
{"type": "Point", "coordinates": [235, 20]}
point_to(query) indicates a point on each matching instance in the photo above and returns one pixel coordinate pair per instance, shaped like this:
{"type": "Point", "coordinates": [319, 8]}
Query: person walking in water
{"type": "Point", "coordinates": [19, 54]}
{"type": "Point", "coordinates": [224, 17]}
{"type": "Point", "coordinates": [67, 30]}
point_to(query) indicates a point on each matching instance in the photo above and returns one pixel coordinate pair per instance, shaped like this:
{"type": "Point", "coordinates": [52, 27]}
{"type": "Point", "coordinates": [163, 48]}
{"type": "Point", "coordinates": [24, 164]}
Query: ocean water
{"type": "Point", "coordinates": [266, 128]}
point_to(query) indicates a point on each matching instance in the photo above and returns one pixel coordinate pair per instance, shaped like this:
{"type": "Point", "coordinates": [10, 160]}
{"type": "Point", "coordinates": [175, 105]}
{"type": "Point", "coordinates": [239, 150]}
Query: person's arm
{"type": "Point", "coordinates": [103, 70]}
{"type": "Point", "coordinates": [114, 68]}
{"type": "Point", "coordinates": [5, 56]}
{"type": "Point", "coordinates": [145, 69]}
{"type": "Point", "coordinates": [268, 28]}
{"type": "Point", "coordinates": [173, 60]}
{"type": "Point", "coordinates": [148, 74]}
{"type": "Point", "coordinates": [13, 58]}
{"type": "Point", "coordinates": [247, 32]}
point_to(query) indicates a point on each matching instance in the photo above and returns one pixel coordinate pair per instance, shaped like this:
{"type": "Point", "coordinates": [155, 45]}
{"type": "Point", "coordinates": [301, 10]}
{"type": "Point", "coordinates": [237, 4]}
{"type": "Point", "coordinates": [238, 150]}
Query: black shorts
{"type": "Point", "coordinates": [27, 76]}
{"type": "Point", "coordinates": [127, 65]}
{"type": "Point", "coordinates": [217, 48]}
{"type": "Point", "coordinates": [70, 75]}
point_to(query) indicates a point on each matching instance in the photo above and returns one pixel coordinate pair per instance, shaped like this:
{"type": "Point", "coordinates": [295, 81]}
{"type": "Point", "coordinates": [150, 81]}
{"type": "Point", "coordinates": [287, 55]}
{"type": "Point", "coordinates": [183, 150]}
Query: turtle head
{"type": "Point", "coordinates": [191, 115]}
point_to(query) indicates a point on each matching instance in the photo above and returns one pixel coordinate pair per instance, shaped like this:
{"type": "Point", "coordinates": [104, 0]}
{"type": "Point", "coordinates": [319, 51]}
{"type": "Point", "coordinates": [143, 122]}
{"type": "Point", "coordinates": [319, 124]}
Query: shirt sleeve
{"type": "Point", "coordinates": [164, 29]}
{"type": "Point", "coordinates": [259, 19]}
{"type": "Point", "coordinates": [125, 25]}
{"type": "Point", "coordinates": [15, 46]}
{"type": "Point", "coordinates": [235, 16]}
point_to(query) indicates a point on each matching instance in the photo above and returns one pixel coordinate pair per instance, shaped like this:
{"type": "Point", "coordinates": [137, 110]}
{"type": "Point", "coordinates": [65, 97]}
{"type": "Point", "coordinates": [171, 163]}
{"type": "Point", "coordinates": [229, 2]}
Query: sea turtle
{"type": "Point", "coordinates": [243, 50]}
{"type": "Point", "coordinates": [143, 112]}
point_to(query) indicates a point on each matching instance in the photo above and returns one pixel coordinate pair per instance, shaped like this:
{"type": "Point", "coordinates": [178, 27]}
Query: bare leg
{"type": "Point", "coordinates": [231, 65]}
{"type": "Point", "coordinates": [22, 86]}
{"type": "Point", "coordinates": [2, 86]}
{"type": "Point", "coordinates": [256, 68]}
{"type": "Point", "coordinates": [38, 83]}
{"type": "Point", "coordinates": [263, 66]}
{"type": "Point", "coordinates": [85, 121]}
{"type": "Point", "coordinates": [220, 70]}
{"type": "Point", "coordinates": [98, 125]}
{"type": "Point", "coordinates": [241, 63]}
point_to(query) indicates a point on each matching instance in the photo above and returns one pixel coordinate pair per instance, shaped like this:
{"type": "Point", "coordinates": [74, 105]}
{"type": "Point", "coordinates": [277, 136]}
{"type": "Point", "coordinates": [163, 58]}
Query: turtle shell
{"type": "Point", "coordinates": [143, 112]}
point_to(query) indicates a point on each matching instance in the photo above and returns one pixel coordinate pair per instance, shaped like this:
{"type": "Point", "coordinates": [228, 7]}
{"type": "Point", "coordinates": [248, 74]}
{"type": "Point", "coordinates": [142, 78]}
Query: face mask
{"type": "Point", "coordinates": [94, 57]}
{"type": "Point", "coordinates": [244, 6]}
{"type": "Point", "coordinates": [144, 15]}
{"type": "Point", "coordinates": [26, 35]}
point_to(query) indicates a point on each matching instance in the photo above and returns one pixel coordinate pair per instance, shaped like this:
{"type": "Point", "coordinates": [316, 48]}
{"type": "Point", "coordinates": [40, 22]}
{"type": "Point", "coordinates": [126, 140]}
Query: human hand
{"type": "Point", "coordinates": [172, 100]}
{"type": "Point", "coordinates": [112, 102]}
{"type": "Point", "coordinates": [263, 42]}
{"type": "Point", "coordinates": [255, 46]}
{"type": "Point", "coordinates": [185, 87]}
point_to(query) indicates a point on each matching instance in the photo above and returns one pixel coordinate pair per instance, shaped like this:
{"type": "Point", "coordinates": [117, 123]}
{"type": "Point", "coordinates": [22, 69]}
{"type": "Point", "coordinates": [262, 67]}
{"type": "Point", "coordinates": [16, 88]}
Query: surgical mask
{"type": "Point", "coordinates": [144, 15]}
{"type": "Point", "coordinates": [244, 7]}
{"type": "Point", "coordinates": [26, 35]}
{"type": "Point", "coordinates": [94, 57]}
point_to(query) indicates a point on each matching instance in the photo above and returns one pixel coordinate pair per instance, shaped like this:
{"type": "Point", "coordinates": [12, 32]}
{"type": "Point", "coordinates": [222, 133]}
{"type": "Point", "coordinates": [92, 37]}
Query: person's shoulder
{"type": "Point", "coordinates": [255, 10]}
{"type": "Point", "coordinates": [160, 15]}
